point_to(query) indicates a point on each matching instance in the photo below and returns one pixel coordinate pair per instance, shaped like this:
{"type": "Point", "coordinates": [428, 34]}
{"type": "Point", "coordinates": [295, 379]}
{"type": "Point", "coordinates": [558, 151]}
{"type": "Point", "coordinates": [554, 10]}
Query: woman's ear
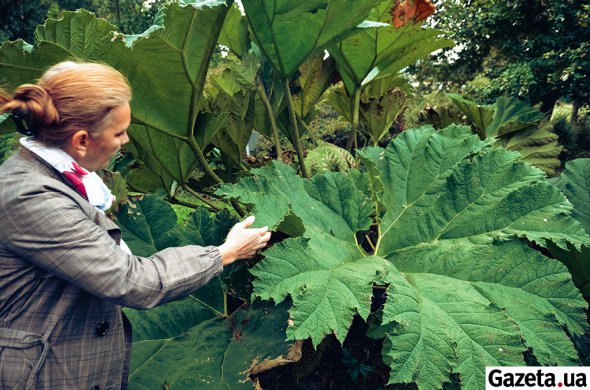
{"type": "Point", "coordinates": [78, 144]}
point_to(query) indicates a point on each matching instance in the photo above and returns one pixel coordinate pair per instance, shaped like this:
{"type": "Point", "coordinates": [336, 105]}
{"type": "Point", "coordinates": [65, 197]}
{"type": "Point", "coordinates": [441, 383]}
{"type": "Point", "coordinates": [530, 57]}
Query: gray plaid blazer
{"type": "Point", "coordinates": [63, 280]}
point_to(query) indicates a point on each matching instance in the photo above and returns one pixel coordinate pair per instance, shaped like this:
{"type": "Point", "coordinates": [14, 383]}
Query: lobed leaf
{"type": "Point", "coordinates": [537, 146]}
{"type": "Point", "coordinates": [435, 190]}
{"type": "Point", "coordinates": [512, 115]}
{"type": "Point", "coordinates": [465, 291]}
{"type": "Point", "coordinates": [216, 353]}
{"type": "Point", "coordinates": [575, 184]}
{"type": "Point", "coordinates": [460, 308]}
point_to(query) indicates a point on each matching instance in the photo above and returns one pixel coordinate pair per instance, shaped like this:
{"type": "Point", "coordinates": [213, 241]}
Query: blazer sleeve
{"type": "Point", "coordinates": [50, 230]}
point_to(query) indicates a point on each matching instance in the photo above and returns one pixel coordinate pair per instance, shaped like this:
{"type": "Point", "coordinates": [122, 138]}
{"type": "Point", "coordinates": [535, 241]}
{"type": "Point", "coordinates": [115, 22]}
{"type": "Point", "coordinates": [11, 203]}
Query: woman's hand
{"type": "Point", "coordinates": [242, 242]}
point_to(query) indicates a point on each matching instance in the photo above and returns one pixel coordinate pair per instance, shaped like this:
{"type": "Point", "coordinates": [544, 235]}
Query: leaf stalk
{"type": "Point", "coordinates": [271, 114]}
{"type": "Point", "coordinates": [355, 106]}
{"type": "Point", "coordinates": [297, 140]}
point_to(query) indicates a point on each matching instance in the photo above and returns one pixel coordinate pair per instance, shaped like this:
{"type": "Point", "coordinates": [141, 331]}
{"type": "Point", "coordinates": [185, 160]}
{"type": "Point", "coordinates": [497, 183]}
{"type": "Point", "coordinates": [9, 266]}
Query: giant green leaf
{"type": "Point", "coordinates": [575, 184]}
{"type": "Point", "coordinates": [512, 115]}
{"type": "Point", "coordinates": [234, 33]}
{"type": "Point", "coordinates": [537, 146]}
{"type": "Point", "coordinates": [182, 348]}
{"type": "Point", "coordinates": [288, 32]}
{"type": "Point", "coordinates": [460, 308]}
{"type": "Point", "coordinates": [516, 126]}
{"type": "Point", "coordinates": [381, 51]}
{"type": "Point", "coordinates": [379, 112]}
{"type": "Point", "coordinates": [190, 343]}
{"type": "Point", "coordinates": [451, 215]}
{"type": "Point", "coordinates": [435, 190]}
{"type": "Point", "coordinates": [166, 67]}
{"type": "Point", "coordinates": [150, 225]}
{"type": "Point", "coordinates": [480, 116]}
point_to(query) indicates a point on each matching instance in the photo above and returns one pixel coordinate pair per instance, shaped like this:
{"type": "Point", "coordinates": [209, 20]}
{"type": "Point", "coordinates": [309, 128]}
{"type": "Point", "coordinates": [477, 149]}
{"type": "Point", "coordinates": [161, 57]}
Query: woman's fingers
{"type": "Point", "coordinates": [248, 221]}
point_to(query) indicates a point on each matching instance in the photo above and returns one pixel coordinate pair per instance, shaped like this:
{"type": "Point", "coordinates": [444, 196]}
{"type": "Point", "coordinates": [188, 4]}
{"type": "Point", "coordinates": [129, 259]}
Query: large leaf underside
{"type": "Point", "coordinates": [288, 32]}
{"type": "Point", "coordinates": [166, 67]}
{"type": "Point", "coordinates": [192, 351]}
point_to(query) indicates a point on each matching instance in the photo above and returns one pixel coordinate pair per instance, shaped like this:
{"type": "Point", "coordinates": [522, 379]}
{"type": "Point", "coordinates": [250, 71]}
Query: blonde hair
{"type": "Point", "coordinates": [69, 97]}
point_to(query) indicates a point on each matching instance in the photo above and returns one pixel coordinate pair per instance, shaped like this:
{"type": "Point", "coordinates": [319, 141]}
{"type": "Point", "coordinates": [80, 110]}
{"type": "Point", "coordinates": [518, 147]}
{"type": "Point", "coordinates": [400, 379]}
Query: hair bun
{"type": "Point", "coordinates": [34, 105]}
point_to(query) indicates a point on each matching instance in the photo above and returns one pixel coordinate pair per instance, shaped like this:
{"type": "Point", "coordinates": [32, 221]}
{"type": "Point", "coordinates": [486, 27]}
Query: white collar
{"type": "Point", "coordinates": [98, 193]}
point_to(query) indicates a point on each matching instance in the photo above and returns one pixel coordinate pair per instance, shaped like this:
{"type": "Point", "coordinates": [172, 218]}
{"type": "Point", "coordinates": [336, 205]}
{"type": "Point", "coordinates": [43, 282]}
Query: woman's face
{"type": "Point", "coordinates": [114, 136]}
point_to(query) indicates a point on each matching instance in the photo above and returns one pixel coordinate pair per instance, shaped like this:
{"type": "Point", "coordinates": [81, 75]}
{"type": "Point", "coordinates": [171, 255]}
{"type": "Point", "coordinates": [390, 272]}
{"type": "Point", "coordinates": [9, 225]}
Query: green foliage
{"type": "Point", "coordinates": [379, 112]}
{"type": "Point", "coordinates": [232, 102]}
{"type": "Point", "coordinates": [216, 353]}
{"type": "Point", "coordinates": [460, 308]}
{"type": "Point", "coordinates": [224, 349]}
{"type": "Point", "coordinates": [171, 56]}
{"type": "Point", "coordinates": [234, 33]}
{"type": "Point", "coordinates": [537, 146]}
{"type": "Point", "coordinates": [8, 144]}
{"type": "Point", "coordinates": [575, 137]}
{"type": "Point", "coordinates": [435, 109]}
{"type": "Point", "coordinates": [479, 116]}
{"type": "Point", "coordinates": [575, 184]}
{"type": "Point", "coordinates": [289, 32]}
{"type": "Point", "coordinates": [315, 76]}
{"type": "Point", "coordinates": [380, 104]}
{"type": "Point", "coordinates": [19, 19]}
{"type": "Point", "coordinates": [512, 115]}
{"type": "Point", "coordinates": [355, 367]}
{"type": "Point", "coordinates": [450, 211]}
{"type": "Point", "coordinates": [515, 126]}
{"type": "Point", "coordinates": [329, 158]}
{"type": "Point", "coordinates": [379, 50]}
{"type": "Point", "coordinates": [536, 50]}
{"type": "Point", "coordinates": [440, 219]}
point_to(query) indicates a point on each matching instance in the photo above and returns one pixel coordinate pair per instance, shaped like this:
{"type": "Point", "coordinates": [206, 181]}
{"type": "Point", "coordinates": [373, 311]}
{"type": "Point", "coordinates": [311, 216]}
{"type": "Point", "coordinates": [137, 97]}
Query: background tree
{"type": "Point", "coordinates": [18, 19]}
{"type": "Point", "coordinates": [538, 50]}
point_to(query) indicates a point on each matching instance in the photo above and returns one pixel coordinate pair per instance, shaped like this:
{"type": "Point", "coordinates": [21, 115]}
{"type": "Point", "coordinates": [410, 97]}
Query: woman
{"type": "Point", "coordinates": [64, 271]}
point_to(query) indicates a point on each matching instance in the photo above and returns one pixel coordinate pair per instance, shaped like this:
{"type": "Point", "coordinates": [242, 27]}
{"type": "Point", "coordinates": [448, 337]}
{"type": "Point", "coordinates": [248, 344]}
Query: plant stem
{"type": "Point", "coordinates": [297, 143]}
{"type": "Point", "coordinates": [238, 208]}
{"type": "Point", "coordinates": [225, 313]}
{"type": "Point", "coordinates": [356, 104]}
{"type": "Point", "coordinates": [200, 197]}
{"type": "Point", "coordinates": [370, 243]}
{"type": "Point", "coordinates": [271, 115]}
{"type": "Point", "coordinates": [378, 239]}
{"type": "Point", "coordinates": [202, 161]}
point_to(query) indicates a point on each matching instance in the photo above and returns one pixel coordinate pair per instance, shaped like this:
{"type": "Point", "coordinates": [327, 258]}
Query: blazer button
{"type": "Point", "coordinates": [102, 329]}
